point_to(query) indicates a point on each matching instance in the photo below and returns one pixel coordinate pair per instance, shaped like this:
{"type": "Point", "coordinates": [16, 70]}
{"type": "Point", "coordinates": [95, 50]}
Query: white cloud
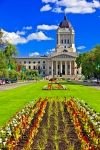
{"type": "Point", "coordinates": [49, 1]}
{"type": "Point", "coordinates": [13, 37]}
{"type": "Point", "coordinates": [47, 27]}
{"type": "Point", "coordinates": [81, 10]}
{"type": "Point", "coordinates": [47, 53]}
{"type": "Point", "coordinates": [46, 8]}
{"type": "Point", "coordinates": [34, 54]}
{"type": "Point", "coordinates": [27, 28]}
{"type": "Point", "coordinates": [17, 38]}
{"type": "Point", "coordinates": [74, 6]}
{"type": "Point", "coordinates": [20, 32]}
{"type": "Point", "coordinates": [38, 36]}
{"type": "Point", "coordinates": [52, 50]}
{"type": "Point", "coordinates": [81, 47]}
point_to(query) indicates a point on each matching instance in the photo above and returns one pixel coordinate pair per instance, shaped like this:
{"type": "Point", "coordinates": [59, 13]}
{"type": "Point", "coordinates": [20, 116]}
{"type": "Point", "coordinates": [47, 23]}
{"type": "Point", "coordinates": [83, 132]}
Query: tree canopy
{"type": "Point", "coordinates": [90, 63]}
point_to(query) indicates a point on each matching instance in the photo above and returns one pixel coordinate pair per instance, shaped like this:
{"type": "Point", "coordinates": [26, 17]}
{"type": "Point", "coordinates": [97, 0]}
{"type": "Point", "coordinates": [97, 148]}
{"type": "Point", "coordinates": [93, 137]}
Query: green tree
{"type": "Point", "coordinates": [13, 74]}
{"type": "Point", "coordinates": [2, 61]}
{"type": "Point", "coordinates": [90, 63]}
{"type": "Point", "coordinates": [10, 53]}
{"type": "Point", "coordinates": [96, 52]}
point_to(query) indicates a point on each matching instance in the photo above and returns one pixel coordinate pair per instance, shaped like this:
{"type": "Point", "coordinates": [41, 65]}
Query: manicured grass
{"type": "Point", "coordinates": [13, 100]}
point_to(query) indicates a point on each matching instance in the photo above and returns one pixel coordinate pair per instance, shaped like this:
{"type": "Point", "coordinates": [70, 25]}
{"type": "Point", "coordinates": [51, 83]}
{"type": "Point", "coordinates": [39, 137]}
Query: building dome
{"type": "Point", "coordinates": [64, 23]}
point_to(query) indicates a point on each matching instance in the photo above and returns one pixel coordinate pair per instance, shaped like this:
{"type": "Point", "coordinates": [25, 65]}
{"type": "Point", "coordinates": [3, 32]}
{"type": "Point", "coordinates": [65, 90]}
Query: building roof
{"type": "Point", "coordinates": [65, 23]}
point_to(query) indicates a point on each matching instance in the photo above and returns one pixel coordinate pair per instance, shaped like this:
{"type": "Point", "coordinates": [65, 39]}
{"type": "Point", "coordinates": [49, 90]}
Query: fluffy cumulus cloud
{"type": "Point", "coordinates": [38, 36]}
{"type": "Point", "coordinates": [46, 8]}
{"type": "Point", "coordinates": [34, 54]}
{"type": "Point", "coordinates": [47, 27]}
{"type": "Point", "coordinates": [13, 37]}
{"type": "Point", "coordinates": [81, 47]}
{"type": "Point", "coordinates": [20, 38]}
{"type": "Point", "coordinates": [73, 6]}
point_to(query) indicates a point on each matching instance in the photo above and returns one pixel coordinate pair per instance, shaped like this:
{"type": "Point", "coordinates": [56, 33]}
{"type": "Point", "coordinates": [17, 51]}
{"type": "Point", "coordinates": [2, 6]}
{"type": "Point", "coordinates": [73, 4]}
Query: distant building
{"type": "Point", "coordinates": [62, 61]}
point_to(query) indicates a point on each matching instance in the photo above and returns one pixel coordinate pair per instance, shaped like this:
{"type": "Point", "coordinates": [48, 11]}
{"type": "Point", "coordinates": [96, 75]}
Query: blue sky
{"type": "Point", "coordinates": [31, 24]}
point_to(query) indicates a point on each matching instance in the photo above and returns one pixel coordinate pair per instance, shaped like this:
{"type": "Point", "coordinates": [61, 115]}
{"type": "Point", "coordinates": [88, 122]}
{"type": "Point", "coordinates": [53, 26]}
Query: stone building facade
{"type": "Point", "coordinates": [62, 61]}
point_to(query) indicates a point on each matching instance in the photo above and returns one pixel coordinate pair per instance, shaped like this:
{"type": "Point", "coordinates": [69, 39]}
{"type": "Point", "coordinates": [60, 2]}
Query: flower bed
{"type": "Point", "coordinates": [54, 86]}
{"type": "Point", "coordinates": [86, 123]}
{"type": "Point", "coordinates": [22, 124]}
{"type": "Point", "coordinates": [52, 124]}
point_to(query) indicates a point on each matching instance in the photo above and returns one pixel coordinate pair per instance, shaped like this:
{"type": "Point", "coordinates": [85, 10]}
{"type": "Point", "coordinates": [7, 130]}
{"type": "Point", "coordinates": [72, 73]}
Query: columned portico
{"type": "Point", "coordinates": [61, 67]}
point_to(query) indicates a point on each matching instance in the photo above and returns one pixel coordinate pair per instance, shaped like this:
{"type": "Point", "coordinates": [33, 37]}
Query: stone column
{"type": "Point", "coordinates": [65, 67]}
{"type": "Point", "coordinates": [52, 69]}
{"type": "Point", "coordinates": [70, 71]}
{"type": "Point", "coordinates": [61, 67]}
{"type": "Point", "coordinates": [56, 68]}
{"type": "Point", "coordinates": [75, 68]}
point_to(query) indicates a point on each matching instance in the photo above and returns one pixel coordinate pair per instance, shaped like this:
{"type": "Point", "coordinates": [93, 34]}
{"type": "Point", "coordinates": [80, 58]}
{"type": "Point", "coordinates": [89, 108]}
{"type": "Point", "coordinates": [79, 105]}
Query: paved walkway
{"type": "Point", "coordinates": [13, 85]}
{"type": "Point", "coordinates": [93, 85]}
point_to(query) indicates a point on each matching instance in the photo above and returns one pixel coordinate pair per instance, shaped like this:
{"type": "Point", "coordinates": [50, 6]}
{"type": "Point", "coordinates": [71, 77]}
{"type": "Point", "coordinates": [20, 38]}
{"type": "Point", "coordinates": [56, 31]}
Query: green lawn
{"type": "Point", "coordinates": [13, 100]}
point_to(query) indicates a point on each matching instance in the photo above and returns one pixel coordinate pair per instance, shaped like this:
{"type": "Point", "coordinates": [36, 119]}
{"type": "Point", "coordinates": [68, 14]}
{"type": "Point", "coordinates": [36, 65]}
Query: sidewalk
{"type": "Point", "coordinates": [14, 85]}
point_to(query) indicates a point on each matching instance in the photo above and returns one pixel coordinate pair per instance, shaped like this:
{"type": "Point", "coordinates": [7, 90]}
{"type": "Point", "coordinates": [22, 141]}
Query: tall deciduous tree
{"type": "Point", "coordinates": [10, 53]}
{"type": "Point", "coordinates": [90, 63]}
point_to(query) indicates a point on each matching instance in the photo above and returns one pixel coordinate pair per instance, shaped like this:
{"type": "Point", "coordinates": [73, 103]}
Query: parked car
{"type": "Point", "coordinates": [7, 81]}
{"type": "Point", "coordinates": [2, 82]}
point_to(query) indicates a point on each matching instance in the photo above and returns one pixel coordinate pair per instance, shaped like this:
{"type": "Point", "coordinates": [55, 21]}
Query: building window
{"type": "Point", "coordinates": [39, 67]}
{"type": "Point", "coordinates": [38, 62]}
{"type": "Point", "coordinates": [49, 67]}
{"type": "Point", "coordinates": [44, 62]}
{"type": "Point", "coordinates": [33, 62]}
{"type": "Point", "coordinates": [29, 62]}
{"type": "Point", "coordinates": [33, 67]}
{"type": "Point", "coordinates": [43, 73]}
{"type": "Point", "coordinates": [62, 41]}
{"type": "Point", "coordinates": [29, 67]}
{"type": "Point", "coordinates": [65, 41]}
{"type": "Point", "coordinates": [68, 41]}
{"type": "Point", "coordinates": [43, 67]}
{"type": "Point", "coordinates": [68, 66]}
{"type": "Point", "coordinates": [49, 72]}
{"type": "Point", "coordinates": [58, 66]}
{"type": "Point", "coordinates": [24, 62]}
